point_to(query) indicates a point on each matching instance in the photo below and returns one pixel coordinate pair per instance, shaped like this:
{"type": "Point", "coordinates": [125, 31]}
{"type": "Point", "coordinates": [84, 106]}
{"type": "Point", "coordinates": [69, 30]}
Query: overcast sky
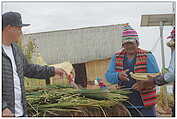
{"type": "Point", "coordinates": [50, 16]}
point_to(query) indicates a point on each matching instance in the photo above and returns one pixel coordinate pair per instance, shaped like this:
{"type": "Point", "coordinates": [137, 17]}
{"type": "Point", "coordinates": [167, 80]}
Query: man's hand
{"type": "Point", "coordinates": [123, 76]}
{"type": "Point", "coordinates": [60, 72]}
{"type": "Point", "coordinates": [157, 80]}
{"type": "Point", "coordinates": [139, 85]}
{"type": "Point", "coordinates": [7, 113]}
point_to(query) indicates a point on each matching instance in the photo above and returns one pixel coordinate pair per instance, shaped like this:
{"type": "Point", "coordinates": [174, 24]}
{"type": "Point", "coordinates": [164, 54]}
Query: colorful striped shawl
{"type": "Point", "coordinates": [149, 96]}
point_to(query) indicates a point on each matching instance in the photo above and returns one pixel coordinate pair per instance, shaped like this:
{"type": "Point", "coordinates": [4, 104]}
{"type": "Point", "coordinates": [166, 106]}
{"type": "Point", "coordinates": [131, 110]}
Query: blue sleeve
{"type": "Point", "coordinates": [111, 75]}
{"type": "Point", "coordinates": [152, 66]}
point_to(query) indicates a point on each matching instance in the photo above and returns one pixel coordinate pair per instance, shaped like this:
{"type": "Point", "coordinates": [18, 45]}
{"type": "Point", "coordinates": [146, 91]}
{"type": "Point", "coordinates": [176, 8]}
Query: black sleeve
{"type": "Point", "coordinates": [37, 71]}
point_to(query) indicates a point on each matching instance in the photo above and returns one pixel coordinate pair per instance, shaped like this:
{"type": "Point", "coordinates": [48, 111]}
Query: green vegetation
{"type": "Point", "coordinates": [59, 98]}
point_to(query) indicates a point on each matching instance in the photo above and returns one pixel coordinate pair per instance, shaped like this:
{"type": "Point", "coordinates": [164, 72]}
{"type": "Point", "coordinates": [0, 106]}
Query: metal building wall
{"type": "Point", "coordinates": [78, 45]}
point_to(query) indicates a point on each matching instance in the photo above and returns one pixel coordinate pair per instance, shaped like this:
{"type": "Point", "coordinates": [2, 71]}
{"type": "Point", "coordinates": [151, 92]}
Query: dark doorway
{"type": "Point", "coordinates": [81, 75]}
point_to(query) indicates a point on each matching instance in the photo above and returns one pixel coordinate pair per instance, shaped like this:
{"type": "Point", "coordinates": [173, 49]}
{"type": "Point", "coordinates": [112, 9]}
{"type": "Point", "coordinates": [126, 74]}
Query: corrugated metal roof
{"type": "Point", "coordinates": [78, 45]}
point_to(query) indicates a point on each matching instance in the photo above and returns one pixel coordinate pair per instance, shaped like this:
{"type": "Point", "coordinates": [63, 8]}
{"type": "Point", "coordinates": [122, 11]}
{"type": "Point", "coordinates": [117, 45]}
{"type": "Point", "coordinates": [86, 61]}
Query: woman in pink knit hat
{"type": "Point", "coordinates": [133, 59]}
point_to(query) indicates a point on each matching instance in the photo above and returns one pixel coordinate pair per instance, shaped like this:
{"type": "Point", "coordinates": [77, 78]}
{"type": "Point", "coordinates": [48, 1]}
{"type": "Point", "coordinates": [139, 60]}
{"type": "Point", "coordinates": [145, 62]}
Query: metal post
{"type": "Point", "coordinates": [163, 89]}
{"type": "Point", "coordinates": [162, 45]}
{"type": "Point", "coordinates": [174, 11]}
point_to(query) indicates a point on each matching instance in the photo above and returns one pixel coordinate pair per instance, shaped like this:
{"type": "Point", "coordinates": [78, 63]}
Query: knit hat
{"type": "Point", "coordinates": [129, 34]}
{"type": "Point", "coordinates": [172, 34]}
